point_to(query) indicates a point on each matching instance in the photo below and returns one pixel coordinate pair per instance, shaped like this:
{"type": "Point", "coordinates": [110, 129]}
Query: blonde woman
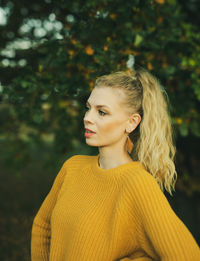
{"type": "Point", "coordinates": [111, 206]}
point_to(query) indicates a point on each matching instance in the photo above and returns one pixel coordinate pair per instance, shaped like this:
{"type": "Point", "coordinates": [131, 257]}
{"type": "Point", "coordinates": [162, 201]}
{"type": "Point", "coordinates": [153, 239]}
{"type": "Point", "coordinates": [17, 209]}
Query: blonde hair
{"type": "Point", "coordinates": [152, 139]}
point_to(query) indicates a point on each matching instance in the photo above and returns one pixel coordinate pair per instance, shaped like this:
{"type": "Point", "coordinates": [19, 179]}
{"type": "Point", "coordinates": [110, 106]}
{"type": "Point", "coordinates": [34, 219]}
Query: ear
{"type": "Point", "coordinates": [133, 122]}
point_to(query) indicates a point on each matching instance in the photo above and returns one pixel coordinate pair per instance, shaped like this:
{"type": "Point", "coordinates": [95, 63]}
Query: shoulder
{"type": "Point", "coordinates": [139, 175]}
{"type": "Point", "coordinates": [143, 192]}
{"type": "Point", "coordinates": [78, 160]}
{"type": "Point", "coordinates": [139, 181]}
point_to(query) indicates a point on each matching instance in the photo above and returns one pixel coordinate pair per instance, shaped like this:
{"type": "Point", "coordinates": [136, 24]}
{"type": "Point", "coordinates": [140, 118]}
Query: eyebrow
{"type": "Point", "coordinates": [98, 106]}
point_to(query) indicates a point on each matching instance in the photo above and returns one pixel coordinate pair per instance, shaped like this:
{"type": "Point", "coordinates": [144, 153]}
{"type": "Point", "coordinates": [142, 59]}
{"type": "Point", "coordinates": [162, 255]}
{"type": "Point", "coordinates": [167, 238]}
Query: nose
{"type": "Point", "coordinates": [88, 118]}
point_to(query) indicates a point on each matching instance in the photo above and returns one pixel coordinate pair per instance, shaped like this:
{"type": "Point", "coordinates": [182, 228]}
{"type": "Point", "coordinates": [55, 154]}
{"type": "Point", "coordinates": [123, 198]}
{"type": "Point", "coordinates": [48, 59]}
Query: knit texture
{"type": "Point", "coordinates": [95, 214]}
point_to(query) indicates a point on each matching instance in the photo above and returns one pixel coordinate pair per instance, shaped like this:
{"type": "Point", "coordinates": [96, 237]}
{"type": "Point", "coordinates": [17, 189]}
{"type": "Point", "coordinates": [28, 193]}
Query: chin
{"type": "Point", "coordinates": [90, 143]}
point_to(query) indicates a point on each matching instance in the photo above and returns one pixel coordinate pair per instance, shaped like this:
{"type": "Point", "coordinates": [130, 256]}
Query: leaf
{"type": "Point", "coordinates": [138, 40]}
{"type": "Point", "coordinates": [37, 118]}
{"type": "Point", "coordinates": [183, 128]}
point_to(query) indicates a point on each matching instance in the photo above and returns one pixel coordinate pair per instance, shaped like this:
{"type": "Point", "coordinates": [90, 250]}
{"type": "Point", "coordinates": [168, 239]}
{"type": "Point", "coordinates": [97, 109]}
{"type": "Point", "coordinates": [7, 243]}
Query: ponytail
{"type": "Point", "coordinates": [154, 146]}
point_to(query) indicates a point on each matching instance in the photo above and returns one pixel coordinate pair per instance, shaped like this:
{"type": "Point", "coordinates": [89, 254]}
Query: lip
{"type": "Point", "coordinates": [87, 135]}
{"type": "Point", "coordinates": [90, 130]}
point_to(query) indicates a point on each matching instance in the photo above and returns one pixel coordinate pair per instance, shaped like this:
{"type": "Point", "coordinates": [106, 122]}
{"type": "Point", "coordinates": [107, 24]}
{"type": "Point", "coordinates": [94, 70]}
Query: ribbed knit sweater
{"type": "Point", "coordinates": [95, 214]}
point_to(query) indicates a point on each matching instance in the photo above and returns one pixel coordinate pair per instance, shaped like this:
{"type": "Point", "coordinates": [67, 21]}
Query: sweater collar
{"type": "Point", "coordinates": [116, 171]}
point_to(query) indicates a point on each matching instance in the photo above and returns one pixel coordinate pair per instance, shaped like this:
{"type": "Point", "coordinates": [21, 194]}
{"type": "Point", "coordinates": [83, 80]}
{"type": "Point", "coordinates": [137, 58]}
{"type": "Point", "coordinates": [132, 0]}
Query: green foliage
{"type": "Point", "coordinates": [52, 52]}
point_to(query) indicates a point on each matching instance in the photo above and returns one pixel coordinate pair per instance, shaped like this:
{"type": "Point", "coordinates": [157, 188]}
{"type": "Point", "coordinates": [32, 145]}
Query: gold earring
{"type": "Point", "coordinates": [129, 145]}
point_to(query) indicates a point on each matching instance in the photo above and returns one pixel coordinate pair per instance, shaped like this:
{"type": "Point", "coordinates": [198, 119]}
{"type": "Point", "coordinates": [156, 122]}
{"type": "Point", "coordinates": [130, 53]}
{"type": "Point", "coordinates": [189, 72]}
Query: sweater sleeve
{"type": "Point", "coordinates": [41, 231]}
{"type": "Point", "coordinates": [160, 228]}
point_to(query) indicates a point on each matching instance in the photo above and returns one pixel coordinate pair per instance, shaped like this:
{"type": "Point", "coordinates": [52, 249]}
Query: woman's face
{"type": "Point", "coordinates": [109, 121]}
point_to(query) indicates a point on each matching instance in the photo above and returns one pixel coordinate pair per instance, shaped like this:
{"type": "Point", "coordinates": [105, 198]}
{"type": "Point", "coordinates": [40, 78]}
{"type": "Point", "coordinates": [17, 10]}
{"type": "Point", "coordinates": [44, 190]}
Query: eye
{"type": "Point", "coordinates": [102, 113]}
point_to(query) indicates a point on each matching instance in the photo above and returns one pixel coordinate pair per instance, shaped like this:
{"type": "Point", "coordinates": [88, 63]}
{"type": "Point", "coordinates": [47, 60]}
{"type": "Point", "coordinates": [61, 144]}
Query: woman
{"type": "Point", "coordinates": [110, 206]}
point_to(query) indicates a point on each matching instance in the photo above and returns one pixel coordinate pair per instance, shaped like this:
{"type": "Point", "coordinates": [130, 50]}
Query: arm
{"type": "Point", "coordinates": [41, 231]}
{"type": "Point", "coordinates": [159, 225]}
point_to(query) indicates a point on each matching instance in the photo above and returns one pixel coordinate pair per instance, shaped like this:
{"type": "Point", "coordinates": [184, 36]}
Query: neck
{"type": "Point", "coordinates": [111, 157]}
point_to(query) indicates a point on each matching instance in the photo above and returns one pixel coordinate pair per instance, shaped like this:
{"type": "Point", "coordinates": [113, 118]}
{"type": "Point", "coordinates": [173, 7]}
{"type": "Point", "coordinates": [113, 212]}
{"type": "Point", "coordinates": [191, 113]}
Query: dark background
{"type": "Point", "coordinates": [50, 54]}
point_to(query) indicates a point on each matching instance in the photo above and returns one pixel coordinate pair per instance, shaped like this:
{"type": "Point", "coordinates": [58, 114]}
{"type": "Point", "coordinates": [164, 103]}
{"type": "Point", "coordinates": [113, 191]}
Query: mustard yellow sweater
{"type": "Point", "coordinates": [95, 214]}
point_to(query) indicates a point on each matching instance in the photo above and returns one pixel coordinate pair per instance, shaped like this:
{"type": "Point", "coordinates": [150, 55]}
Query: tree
{"type": "Point", "coordinates": [52, 51]}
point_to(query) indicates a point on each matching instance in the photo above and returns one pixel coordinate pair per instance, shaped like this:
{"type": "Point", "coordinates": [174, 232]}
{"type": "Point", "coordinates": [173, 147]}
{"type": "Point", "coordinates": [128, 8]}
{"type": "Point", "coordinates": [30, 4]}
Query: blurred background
{"type": "Point", "coordinates": [50, 55]}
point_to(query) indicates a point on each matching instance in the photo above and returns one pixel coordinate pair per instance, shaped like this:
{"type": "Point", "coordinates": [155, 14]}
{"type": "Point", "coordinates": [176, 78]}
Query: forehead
{"type": "Point", "coordinates": [110, 97]}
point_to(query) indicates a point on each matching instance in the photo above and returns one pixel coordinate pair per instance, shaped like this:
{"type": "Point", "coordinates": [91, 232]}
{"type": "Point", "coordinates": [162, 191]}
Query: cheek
{"type": "Point", "coordinates": [110, 128]}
